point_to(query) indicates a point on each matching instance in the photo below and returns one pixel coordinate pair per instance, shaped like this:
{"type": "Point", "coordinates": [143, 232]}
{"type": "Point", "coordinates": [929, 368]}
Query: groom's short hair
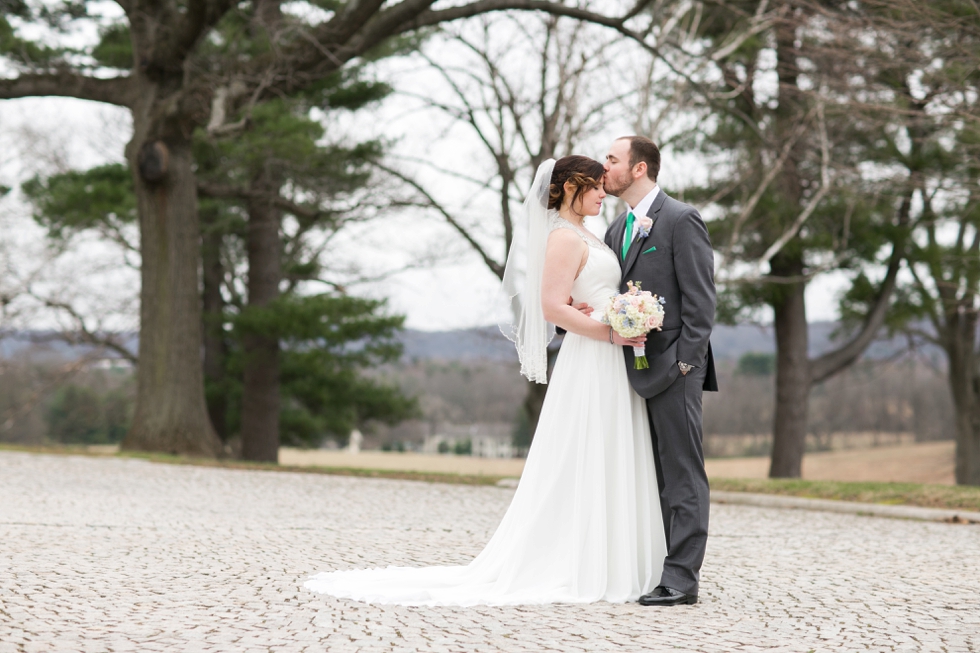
{"type": "Point", "coordinates": [643, 149]}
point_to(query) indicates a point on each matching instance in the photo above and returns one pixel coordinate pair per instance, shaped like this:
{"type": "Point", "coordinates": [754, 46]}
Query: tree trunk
{"type": "Point", "coordinates": [792, 373]}
{"type": "Point", "coordinates": [968, 437]}
{"type": "Point", "coordinates": [789, 305]}
{"type": "Point", "coordinates": [215, 349]}
{"type": "Point", "coordinates": [170, 415]}
{"type": "Point", "coordinates": [959, 341]}
{"type": "Point", "coordinates": [260, 396]}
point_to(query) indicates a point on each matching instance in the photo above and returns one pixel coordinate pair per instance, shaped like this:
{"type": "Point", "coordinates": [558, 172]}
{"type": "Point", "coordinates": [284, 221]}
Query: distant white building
{"type": "Point", "coordinates": [487, 440]}
{"type": "Point", "coordinates": [110, 364]}
{"type": "Point", "coordinates": [354, 442]}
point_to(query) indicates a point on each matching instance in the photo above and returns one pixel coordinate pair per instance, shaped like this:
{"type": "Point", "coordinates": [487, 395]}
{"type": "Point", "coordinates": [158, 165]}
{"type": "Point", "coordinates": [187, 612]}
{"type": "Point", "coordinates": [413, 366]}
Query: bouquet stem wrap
{"type": "Point", "coordinates": [635, 313]}
{"type": "Point", "coordinates": [640, 358]}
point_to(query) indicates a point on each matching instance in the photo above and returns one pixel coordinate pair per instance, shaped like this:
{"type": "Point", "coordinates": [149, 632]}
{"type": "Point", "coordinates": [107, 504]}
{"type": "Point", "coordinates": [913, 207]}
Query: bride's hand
{"type": "Point", "coordinates": [638, 341]}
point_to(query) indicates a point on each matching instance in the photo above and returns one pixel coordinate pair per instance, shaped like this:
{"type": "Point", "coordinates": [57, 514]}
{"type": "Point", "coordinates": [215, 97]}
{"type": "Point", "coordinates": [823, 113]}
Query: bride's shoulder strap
{"type": "Point", "coordinates": [555, 221]}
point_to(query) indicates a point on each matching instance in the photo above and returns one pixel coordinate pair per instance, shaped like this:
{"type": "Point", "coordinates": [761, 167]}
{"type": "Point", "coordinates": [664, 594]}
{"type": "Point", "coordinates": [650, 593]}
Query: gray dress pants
{"type": "Point", "coordinates": [676, 429]}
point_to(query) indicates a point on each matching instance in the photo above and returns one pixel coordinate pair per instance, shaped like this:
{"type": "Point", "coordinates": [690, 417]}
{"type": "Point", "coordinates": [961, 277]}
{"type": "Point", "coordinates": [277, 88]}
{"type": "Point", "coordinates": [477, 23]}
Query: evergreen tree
{"type": "Point", "coordinates": [329, 338]}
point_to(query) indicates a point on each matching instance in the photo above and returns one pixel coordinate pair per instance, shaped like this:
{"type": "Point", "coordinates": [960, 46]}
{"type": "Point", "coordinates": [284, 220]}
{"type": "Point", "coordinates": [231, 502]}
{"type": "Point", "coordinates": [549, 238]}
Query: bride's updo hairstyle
{"type": "Point", "coordinates": [581, 172]}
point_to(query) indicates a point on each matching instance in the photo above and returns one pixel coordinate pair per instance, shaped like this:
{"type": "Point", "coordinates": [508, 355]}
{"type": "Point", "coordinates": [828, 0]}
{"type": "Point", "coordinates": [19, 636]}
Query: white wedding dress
{"type": "Point", "coordinates": [585, 522]}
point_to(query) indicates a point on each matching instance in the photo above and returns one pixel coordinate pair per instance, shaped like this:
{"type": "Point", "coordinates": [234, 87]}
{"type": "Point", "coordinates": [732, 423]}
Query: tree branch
{"type": "Point", "coordinates": [434, 17]}
{"type": "Point", "coordinates": [825, 181]}
{"type": "Point", "coordinates": [833, 362]}
{"type": "Point", "coordinates": [768, 179]}
{"type": "Point", "coordinates": [201, 16]}
{"type": "Point", "coordinates": [114, 90]}
{"type": "Point", "coordinates": [431, 202]}
{"type": "Point", "coordinates": [86, 335]}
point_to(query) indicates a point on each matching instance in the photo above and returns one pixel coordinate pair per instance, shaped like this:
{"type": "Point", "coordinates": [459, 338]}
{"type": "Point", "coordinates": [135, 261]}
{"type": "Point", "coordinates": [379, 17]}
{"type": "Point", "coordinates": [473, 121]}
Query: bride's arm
{"type": "Point", "coordinates": [564, 259]}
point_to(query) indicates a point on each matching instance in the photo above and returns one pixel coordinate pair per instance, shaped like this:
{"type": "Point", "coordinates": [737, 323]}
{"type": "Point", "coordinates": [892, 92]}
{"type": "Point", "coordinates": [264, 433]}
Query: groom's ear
{"type": "Point", "coordinates": [640, 170]}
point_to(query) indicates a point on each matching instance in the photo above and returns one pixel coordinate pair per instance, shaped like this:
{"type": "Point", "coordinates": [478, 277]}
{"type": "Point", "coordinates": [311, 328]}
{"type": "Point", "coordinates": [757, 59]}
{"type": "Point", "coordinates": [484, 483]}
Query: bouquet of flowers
{"type": "Point", "coordinates": [634, 313]}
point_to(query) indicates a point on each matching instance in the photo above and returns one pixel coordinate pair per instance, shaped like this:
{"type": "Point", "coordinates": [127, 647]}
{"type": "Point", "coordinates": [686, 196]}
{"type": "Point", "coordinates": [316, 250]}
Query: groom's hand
{"type": "Point", "coordinates": [583, 308]}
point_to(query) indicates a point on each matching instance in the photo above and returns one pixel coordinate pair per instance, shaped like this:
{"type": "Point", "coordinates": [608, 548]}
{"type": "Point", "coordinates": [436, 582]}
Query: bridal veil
{"type": "Point", "coordinates": [521, 285]}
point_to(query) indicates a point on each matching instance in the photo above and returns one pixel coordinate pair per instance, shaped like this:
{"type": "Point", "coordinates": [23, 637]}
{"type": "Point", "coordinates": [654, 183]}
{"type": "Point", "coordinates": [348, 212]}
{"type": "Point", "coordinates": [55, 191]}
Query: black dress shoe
{"type": "Point", "coordinates": [662, 595]}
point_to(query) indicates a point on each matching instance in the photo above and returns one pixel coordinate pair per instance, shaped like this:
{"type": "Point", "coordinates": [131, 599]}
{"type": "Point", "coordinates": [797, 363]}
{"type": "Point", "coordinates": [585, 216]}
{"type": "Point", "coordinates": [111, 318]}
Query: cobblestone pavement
{"type": "Point", "coordinates": [102, 554]}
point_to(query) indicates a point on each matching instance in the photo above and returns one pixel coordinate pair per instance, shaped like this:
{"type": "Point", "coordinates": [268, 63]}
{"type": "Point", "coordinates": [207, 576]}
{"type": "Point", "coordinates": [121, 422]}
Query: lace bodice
{"type": "Point", "coordinates": [555, 221]}
{"type": "Point", "coordinates": [599, 279]}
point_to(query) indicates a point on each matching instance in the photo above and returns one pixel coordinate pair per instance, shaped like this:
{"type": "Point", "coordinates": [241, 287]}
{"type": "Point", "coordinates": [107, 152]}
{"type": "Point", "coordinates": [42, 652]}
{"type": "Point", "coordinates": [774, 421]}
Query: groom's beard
{"type": "Point", "coordinates": [616, 187]}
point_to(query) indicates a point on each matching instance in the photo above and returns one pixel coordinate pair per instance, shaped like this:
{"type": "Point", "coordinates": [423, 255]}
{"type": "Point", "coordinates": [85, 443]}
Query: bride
{"type": "Point", "coordinates": [585, 523]}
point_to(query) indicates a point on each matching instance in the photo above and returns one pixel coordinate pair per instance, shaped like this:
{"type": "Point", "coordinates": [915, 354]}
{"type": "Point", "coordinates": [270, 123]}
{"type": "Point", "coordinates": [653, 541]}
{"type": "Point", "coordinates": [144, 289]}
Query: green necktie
{"type": "Point", "coordinates": [629, 234]}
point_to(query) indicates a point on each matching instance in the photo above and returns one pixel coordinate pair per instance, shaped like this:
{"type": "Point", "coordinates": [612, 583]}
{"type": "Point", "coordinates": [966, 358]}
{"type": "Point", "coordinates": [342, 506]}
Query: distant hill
{"type": "Point", "coordinates": [481, 343]}
{"type": "Point", "coordinates": [50, 345]}
{"type": "Point", "coordinates": [728, 343]}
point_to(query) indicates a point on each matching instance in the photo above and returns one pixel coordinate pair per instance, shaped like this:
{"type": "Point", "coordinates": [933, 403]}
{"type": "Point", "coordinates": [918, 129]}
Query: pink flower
{"type": "Point", "coordinates": [644, 224]}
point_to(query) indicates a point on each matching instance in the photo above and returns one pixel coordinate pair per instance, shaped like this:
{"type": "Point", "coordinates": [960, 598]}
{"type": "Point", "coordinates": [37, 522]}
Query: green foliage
{"type": "Point", "coordinates": [855, 301]}
{"type": "Point", "coordinates": [32, 54]}
{"type": "Point", "coordinates": [117, 407]}
{"type": "Point", "coordinates": [756, 364]}
{"type": "Point", "coordinates": [59, 15]}
{"type": "Point", "coordinates": [327, 343]}
{"type": "Point", "coordinates": [345, 89]}
{"type": "Point", "coordinates": [17, 8]}
{"type": "Point", "coordinates": [283, 139]}
{"type": "Point", "coordinates": [115, 49]}
{"type": "Point", "coordinates": [74, 201]}
{"type": "Point", "coordinates": [355, 95]}
{"type": "Point", "coordinates": [949, 497]}
{"type": "Point", "coordinates": [77, 414]}
{"type": "Point", "coordinates": [24, 52]}
{"type": "Point", "coordinates": [463, 447]}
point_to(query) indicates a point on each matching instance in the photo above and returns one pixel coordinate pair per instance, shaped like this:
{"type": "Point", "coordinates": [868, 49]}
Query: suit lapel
{"type": "Point", "coordinates": [637, 245]}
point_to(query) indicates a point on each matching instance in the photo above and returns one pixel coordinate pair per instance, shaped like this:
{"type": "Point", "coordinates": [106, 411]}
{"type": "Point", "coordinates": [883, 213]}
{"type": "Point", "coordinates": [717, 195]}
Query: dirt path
{"type": "Point", "coordinates": [917, 463]}
{"type": "Point", "coordinates": [403, 462]}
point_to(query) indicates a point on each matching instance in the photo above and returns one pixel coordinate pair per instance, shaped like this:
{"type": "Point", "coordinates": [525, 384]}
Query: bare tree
{"type": "Point", "coordinates": [522, 91]}
{"type": "Point", "coordinates": [77, 286]}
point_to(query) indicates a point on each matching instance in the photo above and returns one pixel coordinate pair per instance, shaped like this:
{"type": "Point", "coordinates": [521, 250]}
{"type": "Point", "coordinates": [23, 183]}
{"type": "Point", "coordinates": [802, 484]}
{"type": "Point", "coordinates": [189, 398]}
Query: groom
{"type": "Point", "coordinates": [674, 260]}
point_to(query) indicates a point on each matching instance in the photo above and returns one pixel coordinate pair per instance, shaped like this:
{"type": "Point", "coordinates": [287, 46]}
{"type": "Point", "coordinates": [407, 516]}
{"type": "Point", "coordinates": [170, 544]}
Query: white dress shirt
{"type": "Point", "coordinates": [641, 209]}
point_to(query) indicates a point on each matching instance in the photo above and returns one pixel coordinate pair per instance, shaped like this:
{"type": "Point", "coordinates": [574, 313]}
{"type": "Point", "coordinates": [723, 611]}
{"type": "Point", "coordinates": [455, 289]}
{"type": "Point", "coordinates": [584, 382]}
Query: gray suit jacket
{"type": "Point", "coordinates": [675, 262]}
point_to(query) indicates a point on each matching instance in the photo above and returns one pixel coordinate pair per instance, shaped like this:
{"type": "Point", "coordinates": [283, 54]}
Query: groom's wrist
{"type": "Point", "coordinates": [684, 367]}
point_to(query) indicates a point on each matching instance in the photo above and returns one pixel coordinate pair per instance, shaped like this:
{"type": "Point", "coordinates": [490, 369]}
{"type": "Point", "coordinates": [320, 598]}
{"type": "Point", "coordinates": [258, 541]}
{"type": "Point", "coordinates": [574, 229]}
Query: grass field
{"type": "Point", "coordinates": [865, 475]}
{"type": "Point", "coordinates": [904, 494]}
